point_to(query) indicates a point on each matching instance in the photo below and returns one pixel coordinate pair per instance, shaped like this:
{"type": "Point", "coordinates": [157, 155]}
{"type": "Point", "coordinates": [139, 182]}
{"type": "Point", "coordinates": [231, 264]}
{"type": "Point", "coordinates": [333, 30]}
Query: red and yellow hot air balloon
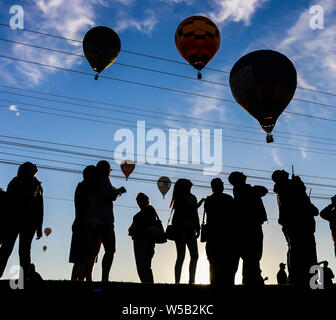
{"type": "Point", "coordinates": [197, 39]}
{"type": "Point", "coordinates": [127, 167]}
{"type": "Point", "coordinates": [263, 82]}
{"type": "Point", "coordinates": [47, 231]}
{"type": "Point", "coordinates": [101, 46]}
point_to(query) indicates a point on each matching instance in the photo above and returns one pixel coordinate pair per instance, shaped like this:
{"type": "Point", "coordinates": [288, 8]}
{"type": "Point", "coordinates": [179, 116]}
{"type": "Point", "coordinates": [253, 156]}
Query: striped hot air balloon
{"type": "Point", "coordinates": [263, 82]}
{"type": "Point", "coordinates": [197, 39]}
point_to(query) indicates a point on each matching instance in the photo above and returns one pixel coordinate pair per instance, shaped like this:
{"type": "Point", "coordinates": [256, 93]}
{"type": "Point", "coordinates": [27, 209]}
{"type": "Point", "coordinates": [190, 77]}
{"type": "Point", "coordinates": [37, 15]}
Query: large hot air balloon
{"type": "Point", "coordinates": [47, 231]}
{"type": "Point", "coordinates": [197, 39]}
{"type": "Point", "coordinates": [127, 167]}
{"type": "Point", "coordinates": [164, 184]}
{"type": "Point", "coordinates": [263, 82]}
{"type": "Point", "coordinates": [101, 46]}
{"type": "Point", "coordinates": [44, 248]}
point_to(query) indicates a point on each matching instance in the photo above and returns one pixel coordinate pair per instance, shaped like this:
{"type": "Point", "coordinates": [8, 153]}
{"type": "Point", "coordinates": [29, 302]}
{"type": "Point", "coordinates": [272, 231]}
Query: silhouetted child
{"type": "Point", "coordinates": [329, 214]}
{"type": "Point", "coordinates": [327, 275]}
{"type": "Point", "coordinates": [143, 246]}
{"type": "Point", "coordinates": [33, 275]}
{"type": "Point", "coordinates": [282, 275]}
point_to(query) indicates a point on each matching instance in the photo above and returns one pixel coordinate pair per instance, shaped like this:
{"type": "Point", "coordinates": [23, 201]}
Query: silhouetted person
{"type": "Point", "coordinates": [143, 246]}
{"type": "Point", "coordinates": [282, 275]}
{"type": "Point", "coordinates": [252, 214]}
{"type": "Point", "coordinates": [101, 218]}
{"type": "Point", "coordinates": [33, 275]}
{"type": "Point", "coordinates": [327, 275]}
{"type": "Point", "coordinates": [186, 225]}
{"type": "Point", "coordinates": [81, 248]}
{"type": "Point", "coordinates": [4, 221]}
{"type": "Point", "coordinates": [25, 213]}
{"type": "Point", "coordinates": [222, 235]}
{"type": "Point", "coordinates": [296, 216]}
{"type": "Point", "coordinates": [329, 214]}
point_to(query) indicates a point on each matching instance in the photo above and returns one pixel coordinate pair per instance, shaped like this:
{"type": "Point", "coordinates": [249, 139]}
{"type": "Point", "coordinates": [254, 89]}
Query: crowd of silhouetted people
{"type": "Point", "coordinates": [231, 227]}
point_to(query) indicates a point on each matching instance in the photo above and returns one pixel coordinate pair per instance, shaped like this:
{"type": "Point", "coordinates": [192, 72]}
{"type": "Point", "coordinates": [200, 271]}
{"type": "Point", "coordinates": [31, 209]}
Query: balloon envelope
{"type": "Point", "coordinates": [127, 167]}
{"type": "Point", "coordinates": [164, 185]}
{"type": "Point", "coordinates": [47, 231]}
{"type": "Point", "coordinates": [263, 82]}
{"type": "Point", "coordinates": [101, 46]}
{"type": "Point", "coordinates": [44, 248]}
{"type": "Point", "coordinates": [197, 39]}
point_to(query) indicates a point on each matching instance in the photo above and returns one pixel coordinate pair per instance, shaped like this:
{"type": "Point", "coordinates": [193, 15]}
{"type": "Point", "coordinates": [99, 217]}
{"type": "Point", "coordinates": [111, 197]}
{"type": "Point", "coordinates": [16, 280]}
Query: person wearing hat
{"type": "Point", "coordinates": [282, 275]}
{"type": "Point", "coordinates": [296, 216]}
{"type": "Point", "coordinates": [252, 214]}
{"type": "Point", "coordinates": [329, 214]}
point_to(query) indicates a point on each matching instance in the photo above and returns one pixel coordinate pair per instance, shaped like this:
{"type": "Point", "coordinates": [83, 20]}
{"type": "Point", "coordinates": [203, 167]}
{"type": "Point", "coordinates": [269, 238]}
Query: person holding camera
{"type": "Point", "coordinates": [329, 214]}
{"type": "Point", "coordinates": [101, 217]}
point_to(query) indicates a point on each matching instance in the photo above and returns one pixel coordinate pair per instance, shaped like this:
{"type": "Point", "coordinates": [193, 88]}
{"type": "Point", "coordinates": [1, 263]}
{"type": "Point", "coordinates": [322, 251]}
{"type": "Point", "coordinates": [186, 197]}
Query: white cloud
{"type": "Point", "coordinates": [145, 25]}
{"type": "Point", "coordinates": [188, 2]}
{"type": "Point", "coordinates": [234, 10]}
{"type": "Point", "coordinates": [15, 109]}
{"type": "Point", "coordinates": [69, 19]}
{"type": "Point", "coordinates": [276, 158]}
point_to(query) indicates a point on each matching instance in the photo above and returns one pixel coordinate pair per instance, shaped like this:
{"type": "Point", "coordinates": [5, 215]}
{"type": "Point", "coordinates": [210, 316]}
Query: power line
{"type": "Point", "coordinates": [139, 114]}
{"type": "Point", "coordinates": [67, 170]}
{"type": "Point", "coordinates": [167, 73]}
{"type": "Point", "coordinates": [155, 86]}
{"type": "Point", "coordinates": [155, 165]}
{"type": "Point", "coordinates": [277, 145]}
{"type": "Point", "coordinates": [155, 112]}
{"type": "Point", "coordinates": [152, 56]}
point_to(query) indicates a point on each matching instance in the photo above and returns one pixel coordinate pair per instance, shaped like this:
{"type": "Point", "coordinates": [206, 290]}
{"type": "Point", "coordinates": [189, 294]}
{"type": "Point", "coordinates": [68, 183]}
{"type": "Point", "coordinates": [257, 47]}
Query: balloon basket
{"type": "Point", "coordinates": [199, 75]}
{"type": "Point", "coordinates": [96, 76]}
{"type": "Point", "coordinates": [269, 138]}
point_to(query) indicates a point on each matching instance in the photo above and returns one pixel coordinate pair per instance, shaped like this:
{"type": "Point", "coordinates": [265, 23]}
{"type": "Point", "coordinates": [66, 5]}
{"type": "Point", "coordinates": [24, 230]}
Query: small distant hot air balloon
{"type": "Point", "coordinates": [44, 248]}
{"type": "Point", "coordinates": [164, 185]}
{"type": "Point", "coordinates": [127, 167]}
{"type": "Point", "coordinates": [47, 231]}
{"type": "Point", "coordinates": [263, 82]}
{"type": "Point", "coordinates": [101, 46]}
{"type": "Point", "coordinates": [197, 39]}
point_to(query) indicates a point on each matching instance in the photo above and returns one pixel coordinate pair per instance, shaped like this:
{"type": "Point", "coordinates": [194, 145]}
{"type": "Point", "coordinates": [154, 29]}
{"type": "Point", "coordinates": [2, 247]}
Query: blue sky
{"type": "Point", "coordinates": [148, 27]}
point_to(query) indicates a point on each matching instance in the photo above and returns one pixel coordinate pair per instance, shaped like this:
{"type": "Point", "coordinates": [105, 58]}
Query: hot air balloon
{"type": "Point", "coordinates": [127, 167]}
{"type": "Point", "coordinates": [101, 46]}
{"type": "Point", "coordinates": [263, 82]}
{"type": "Point", "coordinates": [197, 39]}
{"type": "Point", "coordinates": [44, 248]}
{"type": "Point", "coordinates": [47, 231]}
{"type": "Point", "coordinates": [164, 184]}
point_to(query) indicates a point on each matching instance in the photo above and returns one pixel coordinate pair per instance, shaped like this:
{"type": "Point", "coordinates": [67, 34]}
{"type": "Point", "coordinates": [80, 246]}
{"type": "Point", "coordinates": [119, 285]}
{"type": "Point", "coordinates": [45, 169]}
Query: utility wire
{"type": "Point", "coordinates": [155, 86]}
{"type": "Point", "coordinates": [163, 72]}
{"type": "Point", "coordinates": [152, 56]}
{"type": "Point", "coordinates": [155, 165]}
{"type": "Point", "coordinates": [157, 112]}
